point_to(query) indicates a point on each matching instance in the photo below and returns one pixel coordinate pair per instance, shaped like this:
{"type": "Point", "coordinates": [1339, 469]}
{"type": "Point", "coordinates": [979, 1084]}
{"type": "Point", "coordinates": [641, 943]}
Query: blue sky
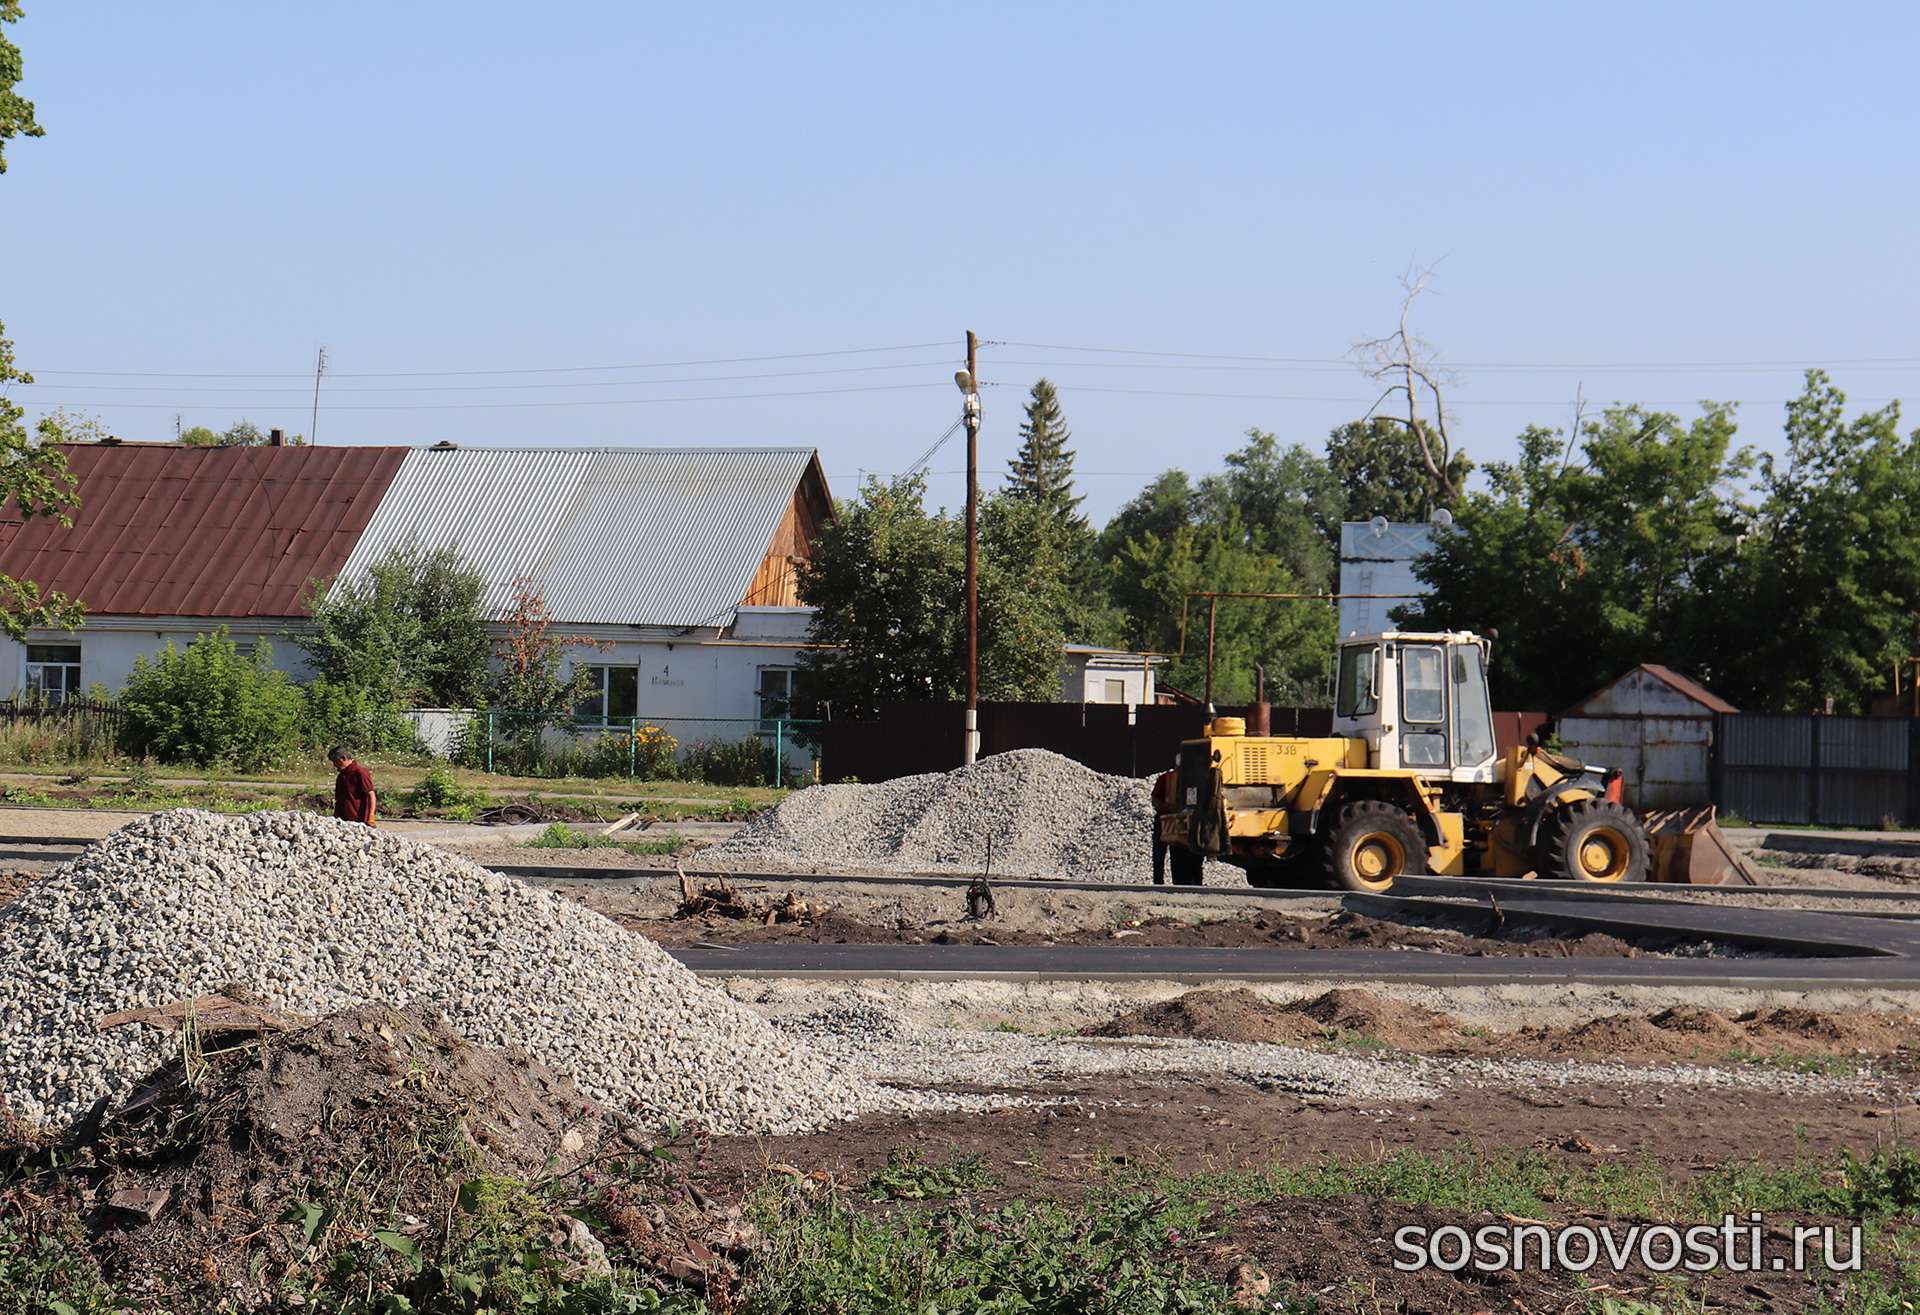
{"type": "Point", "coordinates": [485, 187]}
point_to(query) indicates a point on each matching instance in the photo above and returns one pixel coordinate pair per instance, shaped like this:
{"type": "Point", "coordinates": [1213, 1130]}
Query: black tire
{"type": "Point", "coordinates": [1371, 843]}
{"type": "Point", "coordinates": [1189, 866]}
{"type": "Point", "coordinates": [1592, 841]}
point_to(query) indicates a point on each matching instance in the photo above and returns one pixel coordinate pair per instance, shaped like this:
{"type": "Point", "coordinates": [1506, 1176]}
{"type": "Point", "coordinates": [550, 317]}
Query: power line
{"type": "Point", "coordinates": [938, 443]}
{"type": "Point", "coordinates": [548, 369]}
{"type": "Point", "coordinates": [1350, 367]}
{"type": "Point", "coordinates": [498, 406]}
{"type": "Point", "coordinates": [1452, 401]}
{"type": "Point", "coordinates": [1322, 361]}
{"type": "Point", "coordinates": [174, 389]}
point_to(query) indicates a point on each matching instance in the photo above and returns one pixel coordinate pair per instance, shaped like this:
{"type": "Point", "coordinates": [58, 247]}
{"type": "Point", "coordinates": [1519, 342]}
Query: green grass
{"type": "Point", "coordinates": [559, 835]}
{"type": "Point", "coordinates": [908, 1178]}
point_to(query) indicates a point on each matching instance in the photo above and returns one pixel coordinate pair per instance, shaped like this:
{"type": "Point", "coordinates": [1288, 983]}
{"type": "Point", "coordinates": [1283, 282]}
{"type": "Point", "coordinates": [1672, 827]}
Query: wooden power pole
{"type": "Point", "coordinates": [972, 417]}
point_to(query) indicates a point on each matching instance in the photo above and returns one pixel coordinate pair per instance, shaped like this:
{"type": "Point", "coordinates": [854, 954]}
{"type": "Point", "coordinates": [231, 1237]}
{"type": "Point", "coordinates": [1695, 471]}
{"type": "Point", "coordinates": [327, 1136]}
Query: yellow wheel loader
{"type": "Point", "coordinates": [1410, 783]}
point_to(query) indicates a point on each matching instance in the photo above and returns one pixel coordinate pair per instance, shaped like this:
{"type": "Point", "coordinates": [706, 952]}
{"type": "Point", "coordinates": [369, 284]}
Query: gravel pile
{"type": "Point", "coordinates": [316, 916]}
{"type": "Point", "coordinates": [1044, 816]}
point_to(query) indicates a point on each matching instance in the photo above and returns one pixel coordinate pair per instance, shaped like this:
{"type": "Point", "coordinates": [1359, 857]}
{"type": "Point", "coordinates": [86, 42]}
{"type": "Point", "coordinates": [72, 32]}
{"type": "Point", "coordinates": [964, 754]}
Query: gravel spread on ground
{"type": "Point", "coordinates": [313, 916]}
{"type": "Point", "coordinates": [1031, 813]}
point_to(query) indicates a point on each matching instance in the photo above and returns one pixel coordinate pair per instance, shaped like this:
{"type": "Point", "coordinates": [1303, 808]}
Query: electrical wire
{"type": "Point", "coordinates": [500, 406]}
{"type": "Point", "coordinates": [938, 443]}
{"type": "Point", "coordinates": [549, 369]}
{"type": "Point", "coordinates": [478, 388]}
{"type": "Point", "coordinates": [1859, 361]}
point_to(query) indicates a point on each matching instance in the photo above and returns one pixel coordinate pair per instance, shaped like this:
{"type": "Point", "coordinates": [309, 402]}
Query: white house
{"type": "Point", "coordinates": [1091, 674]}
{"type": "Point", "coordinates": [673, 566]}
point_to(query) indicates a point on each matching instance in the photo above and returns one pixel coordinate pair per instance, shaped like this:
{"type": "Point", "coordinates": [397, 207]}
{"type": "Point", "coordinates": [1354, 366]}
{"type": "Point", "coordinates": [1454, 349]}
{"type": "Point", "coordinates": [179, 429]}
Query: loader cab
{"type": "Point", "coordinates": [1420, 701]}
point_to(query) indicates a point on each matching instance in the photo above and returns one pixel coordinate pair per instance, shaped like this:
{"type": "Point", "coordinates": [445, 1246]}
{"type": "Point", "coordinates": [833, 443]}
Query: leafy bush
{"type": "Point", "coordinates": [353, 716]}
{"type": "Point", "coordinates": [212, 705]}
{"type": "Point", "coordinates": [440, 791]}
{"type": "Point", "coordinates": [650, 754]}
{"type": "Point", "coordinates": [746, 761]}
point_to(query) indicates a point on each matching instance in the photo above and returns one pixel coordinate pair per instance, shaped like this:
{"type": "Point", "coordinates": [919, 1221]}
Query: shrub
{"type": "Point", "coordinates": [212, 705]}
{"type": "Point", "coordinates": [440, 791]}
{"type": "Point", "coordinates": [746, 761]}
{"type": "Point", "coordinates": [339, 714]}
{"type": "Point", "coordinates": [649, 754]}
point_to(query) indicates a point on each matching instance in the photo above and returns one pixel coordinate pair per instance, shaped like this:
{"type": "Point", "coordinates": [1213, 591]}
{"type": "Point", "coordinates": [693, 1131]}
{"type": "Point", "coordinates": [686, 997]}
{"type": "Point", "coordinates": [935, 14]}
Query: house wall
{"type": "Point", "coordinates": [1658, 737]}
{"type": "Point", "coordinates": [109, 645]}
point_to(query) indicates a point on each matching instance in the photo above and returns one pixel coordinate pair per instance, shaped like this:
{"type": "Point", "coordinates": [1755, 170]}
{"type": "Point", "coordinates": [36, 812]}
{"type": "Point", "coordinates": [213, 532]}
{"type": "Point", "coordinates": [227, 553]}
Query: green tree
{"type": "Point", "coordinates": [1585, 571]}
{"type": "Point", "coordinates": [200, 436]}
{"type": "Point", "coordinates": [1159, 509]}
{"type": "Point", "coordinates": [1286, 500]}
{"type": "Point", "coordinates": [1826, 594]}
{"type": "Point", "coordinates": [1027, 564]}
{"type": "Point", "coordinates": [1042, 470]}
{"type": "Point", "coordinates": [410, 631]}
{"type": "Point", "coordinates": [1153, 578]}
{"type": "Point", "coordinates": [212, 705]}
{"type": "Point", "coordinates": [35, 481]}
{"type": "Point", "coordinates": [527, 686]}
{"type": "Point", "coordinates": [16, 113]}
{"type": "Point", "coordinates": [1381, 471]}
{"type": "Point", "coordinates": [885, 580]}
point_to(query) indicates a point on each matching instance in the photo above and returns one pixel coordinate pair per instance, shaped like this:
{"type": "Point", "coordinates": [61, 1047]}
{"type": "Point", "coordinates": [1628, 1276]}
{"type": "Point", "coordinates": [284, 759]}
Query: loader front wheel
{"type": "Point", "coordinates": [1593, 841]}
{"type": "Point", "coordinates": [1371, 843]}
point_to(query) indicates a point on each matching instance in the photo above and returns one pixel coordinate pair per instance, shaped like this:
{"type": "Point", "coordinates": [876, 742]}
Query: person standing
{"type": "Point", "coordinates": [353, 798]}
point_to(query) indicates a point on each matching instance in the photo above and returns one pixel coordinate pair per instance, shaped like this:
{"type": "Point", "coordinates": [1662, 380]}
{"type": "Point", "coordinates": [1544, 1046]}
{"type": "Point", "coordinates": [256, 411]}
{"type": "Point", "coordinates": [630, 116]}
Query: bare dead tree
{"type": "Point", "coordinates": [1409, 366]}
{"type": "Point", "coordinates": [1579, 425]}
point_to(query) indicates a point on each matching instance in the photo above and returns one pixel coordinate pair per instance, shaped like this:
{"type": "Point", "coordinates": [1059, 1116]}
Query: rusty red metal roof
{"type": "Point", "coordinates": [164, 530]}
{"type": "Point", "coordinates": [1667, 676]}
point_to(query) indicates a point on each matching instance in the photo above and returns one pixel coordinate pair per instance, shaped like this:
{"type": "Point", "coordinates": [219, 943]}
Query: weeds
{"type": "Point", "coordinates": [559, 835]}
{"type": "Point", "coordinates": [908, 1178]}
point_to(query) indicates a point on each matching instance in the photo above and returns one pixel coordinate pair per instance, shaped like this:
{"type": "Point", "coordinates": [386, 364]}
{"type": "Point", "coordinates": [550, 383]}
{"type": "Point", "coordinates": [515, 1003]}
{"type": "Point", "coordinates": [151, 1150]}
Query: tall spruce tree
{"type": "Point", "coordinates": [1042, 470]}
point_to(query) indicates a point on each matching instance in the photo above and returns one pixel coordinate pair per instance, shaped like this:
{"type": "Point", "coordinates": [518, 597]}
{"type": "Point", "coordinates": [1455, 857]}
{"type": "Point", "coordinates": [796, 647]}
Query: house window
{"type": "Point", "coordinates": [776, 695]}
{"type": "Point", "coordinates": [1116, 692]}
{"type": "Point", "coordinates": [613, 695]}
{"type": "Point", "coordinates": [53, 672]}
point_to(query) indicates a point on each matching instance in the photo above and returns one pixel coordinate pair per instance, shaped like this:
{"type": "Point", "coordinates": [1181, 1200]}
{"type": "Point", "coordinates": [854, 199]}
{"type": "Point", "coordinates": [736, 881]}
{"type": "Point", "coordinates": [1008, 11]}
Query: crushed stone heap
{"type": "Point", "coordinates": [315, 916]}
{"type": "Point", "coordinates": [1046, 816]}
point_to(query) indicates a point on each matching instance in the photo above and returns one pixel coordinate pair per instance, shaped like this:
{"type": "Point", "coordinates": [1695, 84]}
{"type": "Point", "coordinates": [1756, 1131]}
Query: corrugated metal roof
{"type": "Point", "coordinates": [612, 536]}
{"type": "Point", "coordinates": [1685, 686]}
{"type": "Point", "coordinates": [164, 530]}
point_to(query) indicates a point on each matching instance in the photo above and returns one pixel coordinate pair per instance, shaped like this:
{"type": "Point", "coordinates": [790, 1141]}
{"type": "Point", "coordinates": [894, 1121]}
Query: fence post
{"type": "Point", "coordinates": [779, 735]}
{"type": "Point", "coordinates": [633, 746]}
{"type": "Point", "coordinates": [1813, 776]}
{"type": "Point", "coordinates": [489, 741]}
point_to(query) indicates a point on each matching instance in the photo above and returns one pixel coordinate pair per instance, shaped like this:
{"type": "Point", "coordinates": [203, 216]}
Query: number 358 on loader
{"type": "Point", "coordinates": [1411, 783]}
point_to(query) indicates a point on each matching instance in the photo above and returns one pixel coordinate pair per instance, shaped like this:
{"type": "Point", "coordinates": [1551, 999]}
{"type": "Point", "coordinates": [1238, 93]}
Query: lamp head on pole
{"type": "Point", "coordinates": [963, 380]}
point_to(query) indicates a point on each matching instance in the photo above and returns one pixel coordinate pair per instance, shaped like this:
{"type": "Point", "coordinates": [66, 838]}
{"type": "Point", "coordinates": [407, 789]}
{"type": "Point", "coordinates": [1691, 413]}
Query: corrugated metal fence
{"type": "Point", "coordinates": [906, 739]}
{"type": "Point", "coordinates": [1825, 771]}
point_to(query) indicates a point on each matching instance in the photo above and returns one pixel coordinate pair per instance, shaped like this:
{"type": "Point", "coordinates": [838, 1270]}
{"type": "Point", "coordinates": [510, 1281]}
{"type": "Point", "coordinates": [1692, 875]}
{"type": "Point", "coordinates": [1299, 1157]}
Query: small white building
{"type": "Point", "coordinates": [1091, 674]}
{"type": "Point", "coordinates": [1656, 727]}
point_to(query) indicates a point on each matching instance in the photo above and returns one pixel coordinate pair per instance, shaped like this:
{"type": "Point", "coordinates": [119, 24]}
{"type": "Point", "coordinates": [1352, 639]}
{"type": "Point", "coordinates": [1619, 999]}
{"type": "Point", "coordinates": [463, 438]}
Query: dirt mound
{"type": "Point", "coordinates": [391, 1104]}
{"type": "Point", "coordinates": [1808, 1031]}
{"type": "Point", "coordinates": [1242, 1015]}
{"type": "Point", "coordinates": [14, 884]}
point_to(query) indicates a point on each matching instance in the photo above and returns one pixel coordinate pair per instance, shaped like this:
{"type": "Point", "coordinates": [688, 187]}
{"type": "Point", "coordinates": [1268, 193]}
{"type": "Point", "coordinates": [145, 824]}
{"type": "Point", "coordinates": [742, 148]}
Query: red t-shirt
{"type": "Point", "coordinates": [353, 794]}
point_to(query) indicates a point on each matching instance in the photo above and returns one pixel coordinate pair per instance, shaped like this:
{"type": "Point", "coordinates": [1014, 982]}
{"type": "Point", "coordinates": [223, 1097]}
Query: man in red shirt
{"type": "Point", "coordinates": [352, 789]}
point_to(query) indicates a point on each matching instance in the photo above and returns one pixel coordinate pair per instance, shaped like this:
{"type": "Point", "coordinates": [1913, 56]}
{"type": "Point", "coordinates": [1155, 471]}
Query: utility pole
{"type": "Point", "coordinates": [319, 368]}
{"type": "Point", "coordinates": [969, 382]}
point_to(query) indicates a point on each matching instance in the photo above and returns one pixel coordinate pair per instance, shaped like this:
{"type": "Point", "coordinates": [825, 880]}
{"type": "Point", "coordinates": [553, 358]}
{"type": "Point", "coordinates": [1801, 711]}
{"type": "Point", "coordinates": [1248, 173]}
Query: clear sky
{"type": "Point", "coordinates": [484, 187]}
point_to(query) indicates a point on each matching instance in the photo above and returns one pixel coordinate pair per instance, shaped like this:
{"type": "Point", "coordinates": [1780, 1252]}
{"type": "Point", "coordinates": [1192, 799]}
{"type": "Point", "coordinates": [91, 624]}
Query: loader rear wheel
{"type": "Point", "coordinates": [1593, 841]}
{"type": "Point", "coordinates": [1371, 843]}
{"type": "Point", "coordinates": [1188, 866]}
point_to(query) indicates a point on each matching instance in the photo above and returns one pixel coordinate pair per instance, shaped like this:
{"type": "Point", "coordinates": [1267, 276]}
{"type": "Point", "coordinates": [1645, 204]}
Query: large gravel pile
{"type": "Point", "coordinates": [316, 915]}
{"type": "Point", "coordinates": [1044, 815]}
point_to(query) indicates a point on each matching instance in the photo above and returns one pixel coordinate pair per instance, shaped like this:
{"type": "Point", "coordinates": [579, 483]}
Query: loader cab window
{"type": "Point", "coordinates": [1472, 714]}
{"type": "Point", "coordinates": [1423, 706]}
{"type": "Point", "coordinates": [1359, 686]}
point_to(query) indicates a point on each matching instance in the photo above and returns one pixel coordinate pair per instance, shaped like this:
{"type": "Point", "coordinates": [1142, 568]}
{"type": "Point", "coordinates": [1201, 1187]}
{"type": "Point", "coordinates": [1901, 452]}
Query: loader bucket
{"type": "Point", "coordinates": [1686, 845]}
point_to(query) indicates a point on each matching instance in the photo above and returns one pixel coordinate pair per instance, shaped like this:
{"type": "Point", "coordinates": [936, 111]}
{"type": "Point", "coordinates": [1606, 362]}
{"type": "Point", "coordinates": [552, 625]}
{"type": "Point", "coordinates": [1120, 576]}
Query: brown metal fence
{"type": "Point", "coordinates": [906, 739]}
{"type": "Point", "coordinates": [1817, 770]}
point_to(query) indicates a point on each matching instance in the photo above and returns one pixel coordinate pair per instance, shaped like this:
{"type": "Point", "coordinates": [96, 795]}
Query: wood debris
{"type": "Point", "coordinates": [721, 899]}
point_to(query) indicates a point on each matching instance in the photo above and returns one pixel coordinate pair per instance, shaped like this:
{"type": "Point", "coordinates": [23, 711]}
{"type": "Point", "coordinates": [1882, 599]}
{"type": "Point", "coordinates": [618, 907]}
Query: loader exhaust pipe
{"type": "Point", "coordinates": [1259, 712]}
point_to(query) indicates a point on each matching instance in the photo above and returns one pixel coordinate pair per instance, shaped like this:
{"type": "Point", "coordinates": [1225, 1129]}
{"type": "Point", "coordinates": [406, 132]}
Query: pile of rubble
{"type": "Point", "coordinates": [1028, 813]}
{"type": "Point", "coordinates": [313, 916]}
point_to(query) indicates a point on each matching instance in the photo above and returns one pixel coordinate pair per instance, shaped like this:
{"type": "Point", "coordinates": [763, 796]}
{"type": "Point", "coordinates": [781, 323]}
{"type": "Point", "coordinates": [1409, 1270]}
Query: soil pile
{"type": "Point", "coordinates": [1242, 1015]}
{"type": "Point", "coordinates": [313, 916]}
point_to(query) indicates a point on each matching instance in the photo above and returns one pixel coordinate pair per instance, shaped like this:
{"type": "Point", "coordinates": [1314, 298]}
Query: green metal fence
{"type": "Point", "coordinates": [498, 740]}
